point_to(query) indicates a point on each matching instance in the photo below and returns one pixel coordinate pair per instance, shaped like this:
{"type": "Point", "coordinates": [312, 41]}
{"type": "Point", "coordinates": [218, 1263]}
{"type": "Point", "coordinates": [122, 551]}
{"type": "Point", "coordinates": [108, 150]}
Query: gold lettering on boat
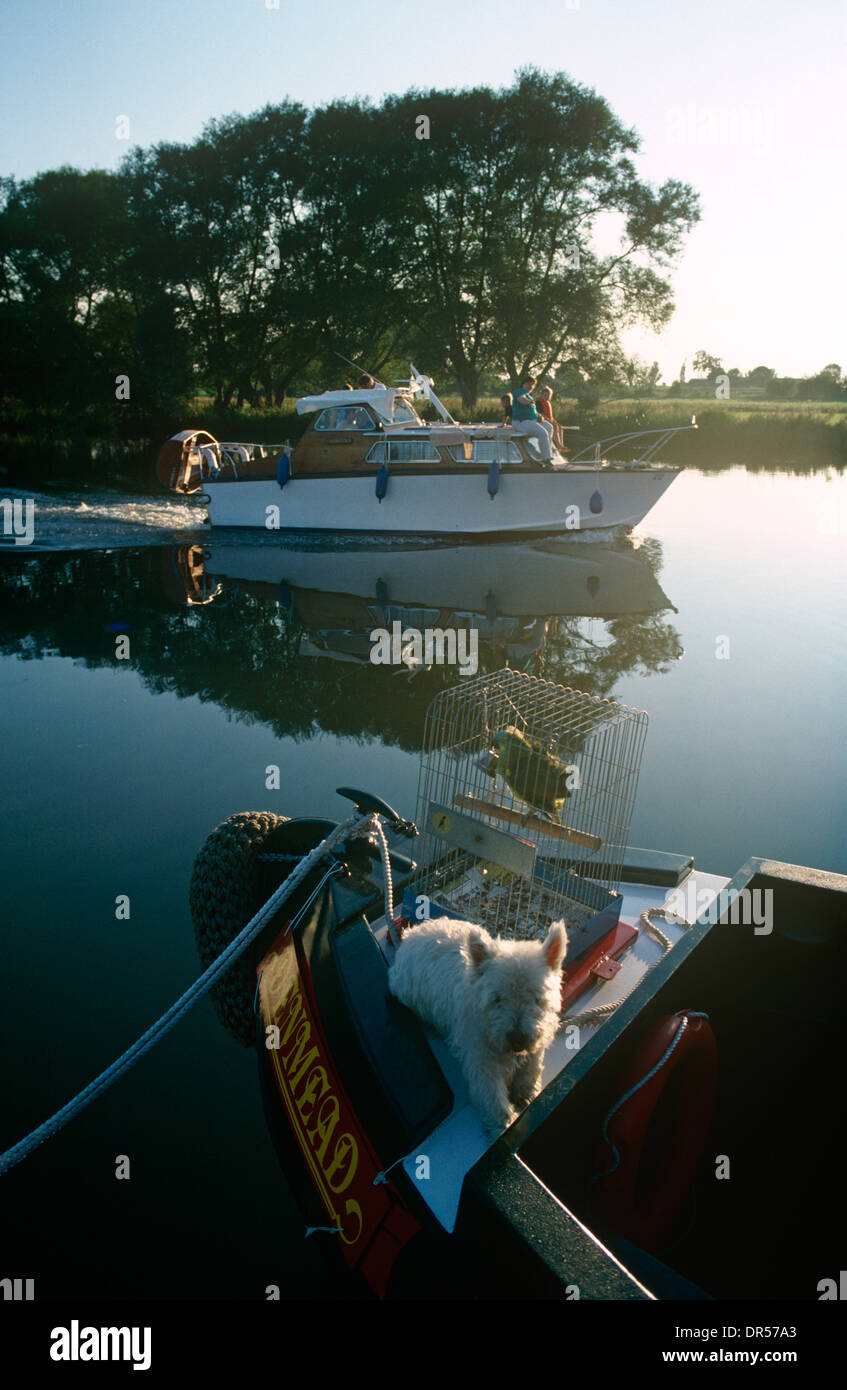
{"type": "Point", "coordinates": [346, 1152]}
{"type": "Point", "coordinates": [307, 1090]}
{"type": "Point", "coordinates": [325, 1121]}
{"type": "Point", "coordinates": [298, 1057]}
{"type": "Point", "coordinates": [294, 1012]}
{"type": "Point", "coordinates": [277, 983]}
{"type": "Point", "coordinates": [317, 1077]}
{"type": "Point", "coordinates": [350, 1236]}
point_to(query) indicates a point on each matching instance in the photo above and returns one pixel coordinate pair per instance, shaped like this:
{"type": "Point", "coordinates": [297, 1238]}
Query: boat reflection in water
{"type": "Point", "coordinates": [485, 604]}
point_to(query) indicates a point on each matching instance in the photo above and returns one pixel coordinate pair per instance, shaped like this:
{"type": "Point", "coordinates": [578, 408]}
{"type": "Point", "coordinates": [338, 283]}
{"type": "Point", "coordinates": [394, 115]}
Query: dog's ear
{"type": "Point", "coordinates": [555, 946]}
{"type": "Point", "coordinates": [477, 948]}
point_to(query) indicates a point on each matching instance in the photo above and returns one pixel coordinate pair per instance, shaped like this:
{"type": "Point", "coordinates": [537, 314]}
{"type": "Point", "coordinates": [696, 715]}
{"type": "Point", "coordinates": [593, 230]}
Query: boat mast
{"type": "Point", "coordinates": [424, 384]}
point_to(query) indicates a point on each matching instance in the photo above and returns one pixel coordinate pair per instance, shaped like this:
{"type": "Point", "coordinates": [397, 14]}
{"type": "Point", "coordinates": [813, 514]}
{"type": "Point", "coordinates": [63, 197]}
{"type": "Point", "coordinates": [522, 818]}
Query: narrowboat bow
{"type": "Point", "coordinates": [694, 1008]}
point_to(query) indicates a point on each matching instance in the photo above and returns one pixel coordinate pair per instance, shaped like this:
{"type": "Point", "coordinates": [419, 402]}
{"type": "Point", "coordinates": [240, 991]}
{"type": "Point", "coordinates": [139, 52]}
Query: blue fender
{"type": "Point", "coordinates": [381, 483]}
{"type": "Point", "coordinates": [494, 480]}
{"type": "Point", "coordinates": [595, 502]}
{"type": "Point", "coordinates": [283, 469]}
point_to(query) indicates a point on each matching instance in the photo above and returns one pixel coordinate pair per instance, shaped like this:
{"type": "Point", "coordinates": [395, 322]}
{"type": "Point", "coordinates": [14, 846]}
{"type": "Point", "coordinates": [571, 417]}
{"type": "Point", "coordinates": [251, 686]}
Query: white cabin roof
{"type": "Point", "coordinates": [381, 399]}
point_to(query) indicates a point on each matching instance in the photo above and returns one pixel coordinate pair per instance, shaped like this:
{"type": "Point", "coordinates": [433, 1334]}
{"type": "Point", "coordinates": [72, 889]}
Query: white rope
{"type": "Point", "coordinates": [603, 1011]}
{"type": "Point", "coordinates": [388, 882]}
{"type": "Point", "coordinates": [347, 829]}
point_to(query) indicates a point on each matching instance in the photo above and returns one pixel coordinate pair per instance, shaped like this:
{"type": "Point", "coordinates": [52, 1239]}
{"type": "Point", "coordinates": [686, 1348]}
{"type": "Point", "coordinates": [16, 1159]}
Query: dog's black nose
{"type": "Point", "coordinates": [517, 1040]}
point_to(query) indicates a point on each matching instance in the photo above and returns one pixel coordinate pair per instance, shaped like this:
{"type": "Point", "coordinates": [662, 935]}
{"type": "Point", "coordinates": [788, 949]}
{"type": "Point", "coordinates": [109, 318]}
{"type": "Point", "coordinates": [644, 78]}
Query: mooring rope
{"type": "Point", "coordinates": [605, 1010]}
{"type": "Point", "coordinates": [388, 883]}
{"type": "Point", "coordinates": [347, 829]}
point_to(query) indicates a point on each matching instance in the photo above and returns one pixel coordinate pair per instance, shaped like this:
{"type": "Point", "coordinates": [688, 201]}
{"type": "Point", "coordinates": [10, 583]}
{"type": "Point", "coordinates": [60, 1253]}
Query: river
{"type": "Point", "coordinates": [151, 671]}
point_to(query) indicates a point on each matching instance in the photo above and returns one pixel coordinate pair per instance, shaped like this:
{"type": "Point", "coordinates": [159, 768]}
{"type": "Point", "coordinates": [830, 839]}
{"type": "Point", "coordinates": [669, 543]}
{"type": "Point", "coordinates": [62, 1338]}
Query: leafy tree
{"type": "Point", "coordinates": [278, 240]}
{"type": "Point", "coordinates": [707, 364]}
{"type": "Point", "coordinates": [639, 377]}
{"type": "Point", "coordinates": [217, 223]}
{"type": "Point", "coordinates": [761, 376]}
{"type": "Point", "coordinates": [502, 204]}
{"type": "Point", "coordinates": [825, 385]}
{"type": "Point", "coordinates": [62, 241]}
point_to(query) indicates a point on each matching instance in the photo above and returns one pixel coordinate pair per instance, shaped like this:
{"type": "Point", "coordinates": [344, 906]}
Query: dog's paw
{"type": "Point", "coordinates": [496, 1121]}
{"type": "Point", "coordinates": [521, 1093]}
{"type": "Point", "coordinates": [525, 1084]}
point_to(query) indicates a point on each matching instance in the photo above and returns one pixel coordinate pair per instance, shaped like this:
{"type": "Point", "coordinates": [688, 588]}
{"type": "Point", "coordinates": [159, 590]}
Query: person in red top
{"type": "Point", "coordinates": [545, 410]}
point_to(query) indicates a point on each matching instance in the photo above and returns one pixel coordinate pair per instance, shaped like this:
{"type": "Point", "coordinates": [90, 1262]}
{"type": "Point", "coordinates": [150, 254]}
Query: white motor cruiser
{"type": "Point", "coordinates": [368, 463]}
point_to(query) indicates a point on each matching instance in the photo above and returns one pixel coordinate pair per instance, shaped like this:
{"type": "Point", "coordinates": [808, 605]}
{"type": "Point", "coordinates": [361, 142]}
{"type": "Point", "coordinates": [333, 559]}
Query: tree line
{"type": "Point", "coordinates": [829, 384]}
{"type": "Point", "coordinates": [458, 229]}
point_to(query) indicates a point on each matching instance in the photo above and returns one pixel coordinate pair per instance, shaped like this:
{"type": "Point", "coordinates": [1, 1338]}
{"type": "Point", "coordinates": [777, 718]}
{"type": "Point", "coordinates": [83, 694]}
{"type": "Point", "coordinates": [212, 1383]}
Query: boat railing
{"type": "Point", "coordinates": [659, 438]}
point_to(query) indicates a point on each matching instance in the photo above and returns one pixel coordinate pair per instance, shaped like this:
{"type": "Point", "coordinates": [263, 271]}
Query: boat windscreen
{"type": "Point", "coordinates": [352, 417]}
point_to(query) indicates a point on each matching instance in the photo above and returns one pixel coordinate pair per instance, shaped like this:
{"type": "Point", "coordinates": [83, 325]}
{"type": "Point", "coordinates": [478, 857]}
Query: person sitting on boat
{"type": "Point", "coordinates": [506, 402]}
{"type": "Point", "coordinates": [545, 410]}
{"type": "Point", "coordinates": [366, 382]}
{"type": "Point", "coordinates": [525, 418]}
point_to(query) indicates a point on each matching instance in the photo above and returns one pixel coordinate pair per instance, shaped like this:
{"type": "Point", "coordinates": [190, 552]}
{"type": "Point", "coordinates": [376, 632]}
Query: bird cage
{"type": "Point", "coordinates": [525, 797]}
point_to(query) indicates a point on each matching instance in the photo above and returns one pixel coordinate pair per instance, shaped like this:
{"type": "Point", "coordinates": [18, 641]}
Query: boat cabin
{"type": "Point", "coordinates": [362, 431]}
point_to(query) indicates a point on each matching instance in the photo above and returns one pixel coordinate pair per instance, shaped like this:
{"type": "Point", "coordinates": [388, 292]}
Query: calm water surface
{"type": "Point", "coordinates": [725, 619]}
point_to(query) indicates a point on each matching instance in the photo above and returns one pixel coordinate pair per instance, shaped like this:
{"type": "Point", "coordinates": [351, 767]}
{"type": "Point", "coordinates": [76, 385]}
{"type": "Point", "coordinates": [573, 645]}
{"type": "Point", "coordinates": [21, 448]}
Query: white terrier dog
{"type": "Point", "coordinates": [495, 1002]}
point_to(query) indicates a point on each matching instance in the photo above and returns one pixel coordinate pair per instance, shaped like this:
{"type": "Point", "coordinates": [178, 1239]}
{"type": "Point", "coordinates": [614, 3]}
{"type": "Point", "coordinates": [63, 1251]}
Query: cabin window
{"type": "Point", "coordinates": [403, 414]}
{"type": "Point", "coordinates": [486, 451]}
{"type": "Point", "coordinates": [345, 417]}
{"type": "Point", "coordinates": [404, 451]}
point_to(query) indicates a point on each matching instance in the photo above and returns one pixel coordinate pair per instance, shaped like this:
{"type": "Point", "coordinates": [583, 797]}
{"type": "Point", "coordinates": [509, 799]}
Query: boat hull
{"type": "Point", "coordinates": [566, 501]}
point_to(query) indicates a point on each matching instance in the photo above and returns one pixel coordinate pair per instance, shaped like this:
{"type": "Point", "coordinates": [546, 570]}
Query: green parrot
{"type": "Point", "coordinates": [537, 776]}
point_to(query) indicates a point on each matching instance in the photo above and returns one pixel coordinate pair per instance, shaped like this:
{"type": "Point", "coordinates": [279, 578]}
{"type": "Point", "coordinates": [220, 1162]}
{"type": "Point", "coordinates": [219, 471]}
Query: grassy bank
{"type": "Point", "coordinates": [757, 434]}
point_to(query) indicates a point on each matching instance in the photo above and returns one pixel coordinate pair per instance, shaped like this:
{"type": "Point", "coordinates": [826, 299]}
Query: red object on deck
{"type": "Point", "coordinates": [598, 963]}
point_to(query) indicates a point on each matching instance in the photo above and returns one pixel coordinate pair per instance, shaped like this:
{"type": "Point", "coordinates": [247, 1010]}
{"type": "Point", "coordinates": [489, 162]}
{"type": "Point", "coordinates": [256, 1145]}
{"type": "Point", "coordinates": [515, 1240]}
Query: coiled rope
{"type": "Point", "coordinates": [354, 825]}
{"type": "Point", "coordinates": [603, 1011]}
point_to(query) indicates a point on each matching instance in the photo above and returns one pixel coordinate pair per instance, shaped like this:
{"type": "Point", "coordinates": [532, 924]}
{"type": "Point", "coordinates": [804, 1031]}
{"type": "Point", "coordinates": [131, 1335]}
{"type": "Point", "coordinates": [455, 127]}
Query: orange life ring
{"type": "Point", "coordinates": [644, 1201]}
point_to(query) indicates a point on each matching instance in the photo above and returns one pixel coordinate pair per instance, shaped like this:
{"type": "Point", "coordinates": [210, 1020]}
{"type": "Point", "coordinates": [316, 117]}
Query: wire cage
{"type": "Point", "coordinates": [525, 796]}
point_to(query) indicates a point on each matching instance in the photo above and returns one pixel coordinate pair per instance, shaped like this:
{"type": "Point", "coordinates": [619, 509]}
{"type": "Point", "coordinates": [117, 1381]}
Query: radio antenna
{"type": "Point", "coordinates": [357, 365]}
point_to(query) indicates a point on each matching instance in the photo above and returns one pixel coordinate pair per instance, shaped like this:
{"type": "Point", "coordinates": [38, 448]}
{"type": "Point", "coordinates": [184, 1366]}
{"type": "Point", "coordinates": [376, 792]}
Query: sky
{"type": "Point", "coordinates": [742, 100]}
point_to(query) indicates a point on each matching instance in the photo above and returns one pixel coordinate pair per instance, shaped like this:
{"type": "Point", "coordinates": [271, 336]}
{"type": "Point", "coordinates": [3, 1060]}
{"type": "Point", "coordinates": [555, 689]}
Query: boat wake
{"type": "Point", "coordinates": [86, 520]}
